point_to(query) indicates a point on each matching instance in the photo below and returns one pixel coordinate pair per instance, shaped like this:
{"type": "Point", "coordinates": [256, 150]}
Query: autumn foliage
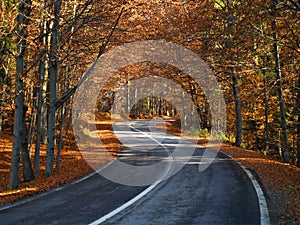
{"type": "Point", "coordinates": [45, 46]}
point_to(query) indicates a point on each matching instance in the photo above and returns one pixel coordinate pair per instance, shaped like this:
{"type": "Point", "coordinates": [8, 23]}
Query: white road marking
{"type": "Point", "coordinates": [124, 206]}
{"type": "Point", "coordinates": [264, 212]}
{"type": "Point", "coordinates": [263, 207]}
{"type": "Point", "coordinates": [136, 198]}
{"type": "Point", "coordinates": [59, 188]}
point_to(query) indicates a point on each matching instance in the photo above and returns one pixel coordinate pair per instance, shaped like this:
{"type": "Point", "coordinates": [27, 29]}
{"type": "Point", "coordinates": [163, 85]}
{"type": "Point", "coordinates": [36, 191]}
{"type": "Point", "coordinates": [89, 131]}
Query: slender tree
{"type": "Point", "coordinates": [53, 73]}
{"type": "Point", "coordinates": [279, 81]}
{"type": "Point", "coordinates": [24, 8]}
{"type": "Point", "coordinates": [27, 168]}
{"type": "Point", "coordinates": [41, 78]}
{"type": "Point", "coordinates": [298, 124]}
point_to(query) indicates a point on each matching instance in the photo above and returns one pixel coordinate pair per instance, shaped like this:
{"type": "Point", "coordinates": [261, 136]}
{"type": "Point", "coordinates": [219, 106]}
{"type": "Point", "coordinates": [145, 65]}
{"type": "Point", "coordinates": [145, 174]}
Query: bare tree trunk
{"type": "Point", "coordinates": [128, 96]}
{"type": "Point", "coordinates": [53, 71]}
{"type": "Point", "coordinates": [285, 155]}
{"type": "Point", "coordinates": [23, 14]}
{"type": "Point", "coordinates": [15, 164]}
{"type": "Point", "coordinates": [39, 117]}
{"type": "Point", "coordinates": [41, 75]}
{"type": "Point", "coordinates": [238, 109]}
{"type": "Point", "coordinates": [267, 138]}
{"type": "Point", "coordinates": [2, 110]}
{"type": "Point", "coordinates": [60, 142]}
{"type": "Point", "coordinates": [235, 80]}
{"type": "Point", "coordinates": [63, 116]}
{"type": "Point", "coordinates": [266, 101]}
{"type": "Point", "coordinates": [27, 168]}
{"type": "Point", "coordinates": [298, 124]}
{"type": "Point", "coordinates": [44, 108]}
{"type": "Point", "coordinates": [31, 131]}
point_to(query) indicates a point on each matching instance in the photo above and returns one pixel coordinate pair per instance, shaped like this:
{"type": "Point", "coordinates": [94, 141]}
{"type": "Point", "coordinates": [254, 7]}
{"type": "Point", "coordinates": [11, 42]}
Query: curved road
{"type": "Point", "coordinates": [222, 194]}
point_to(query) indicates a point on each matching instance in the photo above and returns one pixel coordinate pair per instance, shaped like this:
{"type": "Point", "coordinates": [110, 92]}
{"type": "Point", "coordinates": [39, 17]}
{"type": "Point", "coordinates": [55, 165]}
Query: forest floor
{"type": "Point", "coordinates": [280, 180]}
{"type": "Point", "coordinates": [72, 164]}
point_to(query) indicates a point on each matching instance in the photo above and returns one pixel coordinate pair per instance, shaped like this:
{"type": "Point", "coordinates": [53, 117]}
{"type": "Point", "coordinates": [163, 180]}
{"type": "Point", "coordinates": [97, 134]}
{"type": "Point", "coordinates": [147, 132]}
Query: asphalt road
{"type": "Point", "coordinates": [222, 194]}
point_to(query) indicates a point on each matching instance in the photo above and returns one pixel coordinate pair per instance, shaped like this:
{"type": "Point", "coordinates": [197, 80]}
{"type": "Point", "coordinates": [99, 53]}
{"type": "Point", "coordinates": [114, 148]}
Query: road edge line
{"type": "Point", "coordinates": [53, 190]}
{"type": "Point", "coordinates": [262, 202]}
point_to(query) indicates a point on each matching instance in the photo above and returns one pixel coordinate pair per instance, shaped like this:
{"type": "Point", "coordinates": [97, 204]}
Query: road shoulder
{"type": "Point", "coordinates": [279, 180]}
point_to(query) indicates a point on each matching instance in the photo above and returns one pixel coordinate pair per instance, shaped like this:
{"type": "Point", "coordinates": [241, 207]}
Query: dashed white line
{"type": "Point", "coordinates": [124, 206]}
{"type": "Point", "coordinates": [136, 198]}
{"type": "Point", "coordinates": [263, 208]}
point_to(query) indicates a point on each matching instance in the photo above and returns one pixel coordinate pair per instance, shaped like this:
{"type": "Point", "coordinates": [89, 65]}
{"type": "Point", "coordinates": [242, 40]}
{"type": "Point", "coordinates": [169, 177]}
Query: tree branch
{"type": "Point", "coordinates": [67, 95]}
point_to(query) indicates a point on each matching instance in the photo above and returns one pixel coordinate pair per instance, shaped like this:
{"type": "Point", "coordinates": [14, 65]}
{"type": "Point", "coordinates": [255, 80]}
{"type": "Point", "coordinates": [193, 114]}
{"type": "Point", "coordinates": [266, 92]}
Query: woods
{"type": "Point", "coordinates": [252, 47]}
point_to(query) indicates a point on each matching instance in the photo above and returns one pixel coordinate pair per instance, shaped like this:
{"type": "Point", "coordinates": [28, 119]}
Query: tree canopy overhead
{"type": "Point", "coordinates": [252, 47]}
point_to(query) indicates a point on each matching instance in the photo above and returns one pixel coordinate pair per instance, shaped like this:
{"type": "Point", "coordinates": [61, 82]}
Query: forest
{"type": "Point", "coordinates": [46, 46]}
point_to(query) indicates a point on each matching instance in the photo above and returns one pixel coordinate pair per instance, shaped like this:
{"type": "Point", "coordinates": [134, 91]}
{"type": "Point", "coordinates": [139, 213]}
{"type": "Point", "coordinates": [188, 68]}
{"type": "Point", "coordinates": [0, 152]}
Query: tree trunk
{"type": "Point", "coordinates": [53, 71]}
{"type": "Point", "coordinates": [63, 116]}
{"type": "Point", "coordinates": [298, 124]}
{"type": "Point", "coordinates": [285, 152]}
{"type": "Point", "coordinates": [2, 110]}
{"type": "Point", "coordinates": [27, 168]}
{"type": "Point", "coordinates": [267, 139]}
{"type": "Point", "coordinates": [23, 14]}
{"type": "Point", "coordinates": [41, 76]}
{"type": "Point", "coordinates": [60, 142]}
{"type": "Point", "coordinates": [39, 117]}
{"type": "Point", "coordinates": [44, 109]}
{"type": "Point", "coordinates": [15, 163]}
{"type": "Point", "coordinates": [266, 101]}
{"type": "Point", "coordinates": [238, 109]}
{"type": "Point", "coordinates": [235, 79]}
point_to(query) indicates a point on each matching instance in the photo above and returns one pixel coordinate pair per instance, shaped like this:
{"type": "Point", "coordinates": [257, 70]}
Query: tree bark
{"type": "Point", "coordinates": [2, 110]}
{"type": "Point", "coordinates": [266, 100]}
{"type": "Point", "coordinates": [53, 72]}
{"type": "Point", "coordinates": [27, 168]}
{"type": "Point", "coordinates": [285, 153]}
{"type": "Point", "coordinates": [238, 109]}
{"type": "Point", "coordinates": [39, 117]}
{"type": "Point", "coordinates": [62, 126]}
{"type": "Point", "coordinates": [23, 14]}
{"type": "Point", "coordinates": [298, 124]}
{"type": "Point", "coordinates": [267, 139]}
{"type": "Point", "coordinates": [41, 76]}
{"type": "Point", "coordinates": [235, 79]}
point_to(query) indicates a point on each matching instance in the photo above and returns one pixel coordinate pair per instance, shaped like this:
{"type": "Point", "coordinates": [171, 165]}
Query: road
{"type": "Point", "coordinates": [222, 194]}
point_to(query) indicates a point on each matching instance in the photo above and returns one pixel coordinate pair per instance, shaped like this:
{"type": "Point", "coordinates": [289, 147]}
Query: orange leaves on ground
{"type": "Point", "coordinates": [72, 164]}
{"type": "Point", "coordinates": [281, 180]}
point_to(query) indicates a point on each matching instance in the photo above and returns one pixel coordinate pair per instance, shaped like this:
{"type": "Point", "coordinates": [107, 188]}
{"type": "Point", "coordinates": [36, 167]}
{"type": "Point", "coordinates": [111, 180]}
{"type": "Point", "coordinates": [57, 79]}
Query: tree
{"type": "Point", "coordinates": [24, 9]}
{"type": "Point", "coordinates": [286, 156]}
{"type": "Point", "coordinates": [298, 124]}
{"type": "Point", "coordinates": [227, 54]}
{"type": "Point", "coordinates": [53, 73]}
{"type": "Point", "coordinates": [7, 24]}
{"type": "Point", "coordinates": [27, 168]}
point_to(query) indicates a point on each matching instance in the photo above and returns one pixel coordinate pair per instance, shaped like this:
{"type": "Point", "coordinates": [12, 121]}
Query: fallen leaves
{"type": "Point", "coordinates": [72, 164]}
{"type": "Point", "coordinates": [281, 180]}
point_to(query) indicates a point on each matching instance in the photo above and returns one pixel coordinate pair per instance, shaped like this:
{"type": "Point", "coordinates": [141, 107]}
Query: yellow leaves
{"type": "Point", "coordinates": [6, 193]}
